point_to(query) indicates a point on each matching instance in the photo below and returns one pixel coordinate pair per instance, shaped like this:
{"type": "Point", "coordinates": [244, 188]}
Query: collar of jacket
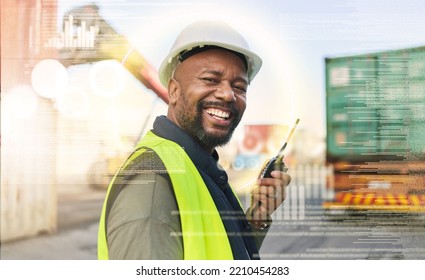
{"type": "Point", "coordinates": [201, 158]}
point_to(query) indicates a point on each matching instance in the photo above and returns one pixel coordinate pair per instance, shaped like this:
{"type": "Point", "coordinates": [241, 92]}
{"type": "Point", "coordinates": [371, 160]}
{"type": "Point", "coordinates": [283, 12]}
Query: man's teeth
{"type": "Point", "coordinates": [218, 113]}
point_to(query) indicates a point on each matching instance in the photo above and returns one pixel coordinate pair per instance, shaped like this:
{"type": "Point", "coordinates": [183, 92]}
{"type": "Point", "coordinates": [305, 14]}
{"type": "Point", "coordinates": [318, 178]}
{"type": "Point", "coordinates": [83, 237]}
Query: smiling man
{"type": "Point", "coordinates": [171, 199]}
{"type": "Point", "coordinates": [208, 96]}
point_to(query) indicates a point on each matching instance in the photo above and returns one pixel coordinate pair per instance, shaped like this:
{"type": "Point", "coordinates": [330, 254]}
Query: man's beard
{"type": "Point", "coordinates": [194, 127]}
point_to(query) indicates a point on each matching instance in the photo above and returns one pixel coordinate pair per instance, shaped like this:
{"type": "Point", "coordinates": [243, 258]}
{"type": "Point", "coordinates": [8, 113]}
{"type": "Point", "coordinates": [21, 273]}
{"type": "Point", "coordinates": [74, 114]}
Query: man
{"type": "Point", "coordinates": [171, 199]}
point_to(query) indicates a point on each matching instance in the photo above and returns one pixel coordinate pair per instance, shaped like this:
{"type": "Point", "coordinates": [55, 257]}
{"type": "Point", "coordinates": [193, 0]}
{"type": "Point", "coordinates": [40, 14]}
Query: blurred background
{"type": "Point", "coordinates": [79, 88]}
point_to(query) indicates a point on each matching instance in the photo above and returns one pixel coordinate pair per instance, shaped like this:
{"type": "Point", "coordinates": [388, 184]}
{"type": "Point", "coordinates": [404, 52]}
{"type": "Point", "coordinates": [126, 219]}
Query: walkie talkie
{"type": "Point", "coordinates": [276, 163]}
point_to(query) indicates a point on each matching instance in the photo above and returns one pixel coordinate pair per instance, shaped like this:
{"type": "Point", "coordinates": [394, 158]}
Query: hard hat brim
{"type": "Point", "coordinates": [206, 33]}
{"type": "Point", "coordinates": [168, 65]}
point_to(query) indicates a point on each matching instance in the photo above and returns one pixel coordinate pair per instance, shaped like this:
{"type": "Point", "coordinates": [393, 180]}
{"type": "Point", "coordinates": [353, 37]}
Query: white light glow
{"type": "Point", "coordinates": [49, 77]}
{"type": "Point", "coordinates": [73, 103]}
{"type": "Point", "coordinates": [20, 102]}
{"type": "Point", "coordinates": [107, 78]}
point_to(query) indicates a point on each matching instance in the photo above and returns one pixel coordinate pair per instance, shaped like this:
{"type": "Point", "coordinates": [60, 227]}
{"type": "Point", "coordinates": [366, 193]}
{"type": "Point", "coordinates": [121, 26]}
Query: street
{"type": "Point", "coordinates": [301, 229]}
{"type": "Point", "coordinates": [355, 235]}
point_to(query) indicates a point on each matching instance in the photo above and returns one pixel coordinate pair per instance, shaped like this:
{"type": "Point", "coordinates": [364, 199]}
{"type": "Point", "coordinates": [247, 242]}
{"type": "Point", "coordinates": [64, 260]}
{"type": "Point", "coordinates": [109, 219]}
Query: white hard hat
{"type": "Point", "coordinates": [208, 33]}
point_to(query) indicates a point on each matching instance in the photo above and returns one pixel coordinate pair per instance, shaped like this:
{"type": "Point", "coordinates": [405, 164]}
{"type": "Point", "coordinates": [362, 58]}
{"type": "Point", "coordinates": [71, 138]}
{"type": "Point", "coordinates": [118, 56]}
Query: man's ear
{"type": "Point", "coordinates": [173, 91]}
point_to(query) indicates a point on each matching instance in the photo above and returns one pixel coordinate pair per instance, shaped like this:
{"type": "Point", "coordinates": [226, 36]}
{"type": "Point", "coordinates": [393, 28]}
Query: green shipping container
{"type": "Point", "coordinates": [375, 106]}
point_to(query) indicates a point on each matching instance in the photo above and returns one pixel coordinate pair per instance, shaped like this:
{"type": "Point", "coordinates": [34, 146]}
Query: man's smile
{"type": "Point", "coordinates": [218, 113]}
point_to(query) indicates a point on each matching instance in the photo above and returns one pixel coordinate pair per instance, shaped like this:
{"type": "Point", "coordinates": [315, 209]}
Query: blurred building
{"type": "Point", "coordinates": [28, 193]}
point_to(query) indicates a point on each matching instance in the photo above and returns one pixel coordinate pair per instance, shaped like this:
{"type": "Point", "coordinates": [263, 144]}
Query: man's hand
{"type": "Point", "coordinates": [267, 197]}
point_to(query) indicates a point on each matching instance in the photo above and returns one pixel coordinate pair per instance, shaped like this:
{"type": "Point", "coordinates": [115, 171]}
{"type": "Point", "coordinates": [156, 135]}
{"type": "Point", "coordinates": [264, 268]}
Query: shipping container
{"type": "Point", "coordinates": [375, 115]}
{"type": "Point", "coordinates": [28, 192]}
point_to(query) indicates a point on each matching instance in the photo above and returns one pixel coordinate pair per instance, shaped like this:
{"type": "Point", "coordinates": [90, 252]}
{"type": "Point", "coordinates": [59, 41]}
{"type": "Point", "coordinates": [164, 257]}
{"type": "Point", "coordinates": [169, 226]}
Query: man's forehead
{"type": "Point", "coordinates": [214, 55]}
{"type": "Point", "coordinates": [214, 61]}
{"type": "Point", "coordinates": [186, 54]}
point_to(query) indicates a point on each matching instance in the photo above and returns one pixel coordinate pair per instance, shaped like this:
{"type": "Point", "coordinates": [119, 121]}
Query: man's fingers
{"type": "Point", "coordinates": [266, 203]}
{"type": "Point", "coordinates": [276, 177]}
{"type": "Point", "coordinates": [269, 191]}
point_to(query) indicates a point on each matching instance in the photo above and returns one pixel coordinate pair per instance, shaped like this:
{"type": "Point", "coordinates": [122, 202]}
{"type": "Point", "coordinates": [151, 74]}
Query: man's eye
{"type": "Point", "coordinates": [210, 80]}
{"type": "Point", "coordinates": [240, 88]}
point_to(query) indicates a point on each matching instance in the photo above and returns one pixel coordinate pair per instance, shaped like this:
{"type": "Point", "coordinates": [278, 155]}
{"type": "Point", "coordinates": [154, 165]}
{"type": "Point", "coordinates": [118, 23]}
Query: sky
{"type": "Point", "coordinates": [292, 37]}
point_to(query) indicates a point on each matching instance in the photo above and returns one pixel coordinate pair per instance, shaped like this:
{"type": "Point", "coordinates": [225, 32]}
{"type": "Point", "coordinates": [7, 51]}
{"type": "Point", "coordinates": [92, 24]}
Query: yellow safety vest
{"type": "Point", "coordinates": [203, 232]}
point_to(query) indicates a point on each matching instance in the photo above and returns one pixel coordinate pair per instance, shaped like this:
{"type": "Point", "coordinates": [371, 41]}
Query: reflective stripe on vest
{"type": "Point", "coordinates": [203, 232]}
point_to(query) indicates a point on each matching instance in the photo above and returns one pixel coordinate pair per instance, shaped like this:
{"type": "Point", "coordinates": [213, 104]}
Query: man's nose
{"type": "Point", "coordinates": [225, 92]}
